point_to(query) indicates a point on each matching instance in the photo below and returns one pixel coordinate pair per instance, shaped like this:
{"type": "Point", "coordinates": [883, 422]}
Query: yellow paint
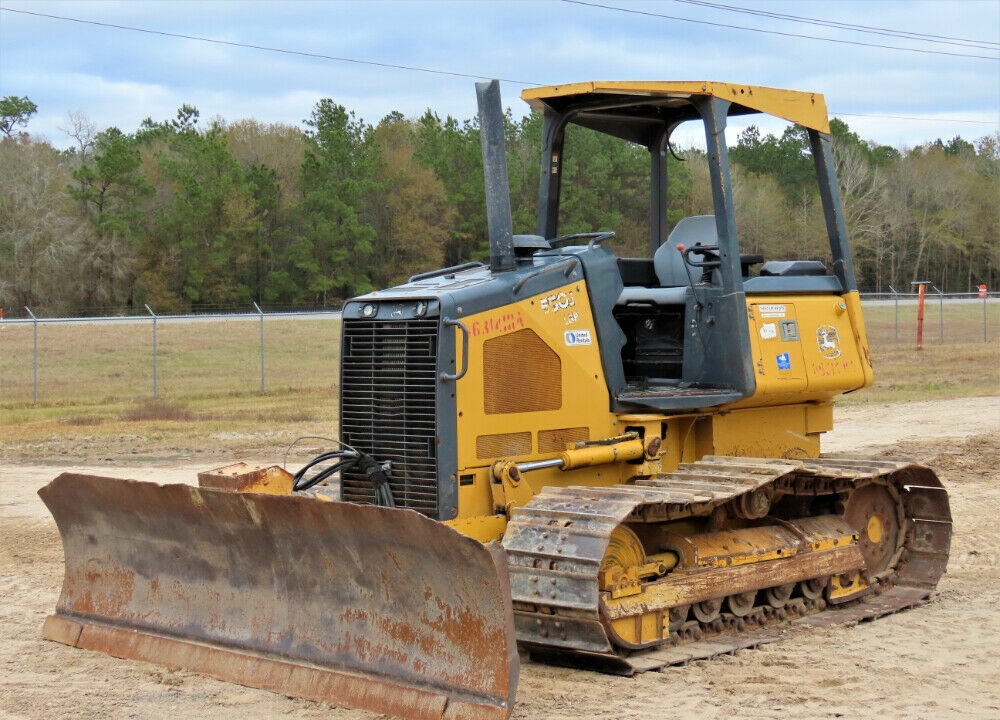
{"type": "Point", "coordinates": [782, 431]}
{"type": "Point", "coordinates": [742, 547]}
{"type": "Point", "coordinates": [515, 491]}
{"type": "Point", "coordinates": [875, 529]}
{"type": "Point", "coordinates": [853, 302]}
{"type": "Point", "coordinates": [244, 478]}
{"type": "Point", "coordinates": [844, 587]}
{"type": "Point", "coordinates": [603, 454]}
{"type": "Point", "coordinates": [804, 108]}
{"type": "Point", "coordinates": [273, 481]}
{"type": "Point", "coordinates": [805, 348]}
{"type": "Point", "coordinates": [834, 542]}
{"type": "Point", "coordinates": [484, 529]}
{"type": "Point", "coordinates": [642, 629]}
{"type": "Point", "coordinates": [619, 571]}
{"type": "Point", "coordinates": [637, 611]}
{"type": "Point", "coordinates": [583, 394]}
{"type": "Point", "coordinates": [827, 354]}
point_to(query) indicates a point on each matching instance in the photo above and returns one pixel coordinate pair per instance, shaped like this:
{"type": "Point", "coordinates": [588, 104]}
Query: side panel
{"type": "Point", "coordinates": [785, 431]}
{"type": "Point", "coordinates": [805, 348]}
{"type": "Point", "coordinates": [534, 383]}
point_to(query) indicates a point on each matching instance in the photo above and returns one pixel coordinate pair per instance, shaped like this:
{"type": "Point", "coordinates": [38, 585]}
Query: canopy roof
{"type": "Point", "coordinates": [637, 111]}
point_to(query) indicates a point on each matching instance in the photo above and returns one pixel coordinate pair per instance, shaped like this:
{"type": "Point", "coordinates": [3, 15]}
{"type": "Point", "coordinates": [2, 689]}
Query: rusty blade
{"type": "Point", "coordinates": [354, 605]}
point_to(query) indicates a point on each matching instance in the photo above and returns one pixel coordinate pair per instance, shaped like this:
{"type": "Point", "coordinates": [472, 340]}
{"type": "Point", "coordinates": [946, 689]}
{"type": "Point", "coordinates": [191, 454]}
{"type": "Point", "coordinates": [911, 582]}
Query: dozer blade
{"type": "Point", "coordinates": [354, 605]}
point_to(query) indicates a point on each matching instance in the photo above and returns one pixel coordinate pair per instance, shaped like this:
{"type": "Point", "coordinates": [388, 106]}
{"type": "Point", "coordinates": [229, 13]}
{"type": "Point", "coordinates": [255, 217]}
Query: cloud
{"type": "Point", "coordinates": [120, 76]}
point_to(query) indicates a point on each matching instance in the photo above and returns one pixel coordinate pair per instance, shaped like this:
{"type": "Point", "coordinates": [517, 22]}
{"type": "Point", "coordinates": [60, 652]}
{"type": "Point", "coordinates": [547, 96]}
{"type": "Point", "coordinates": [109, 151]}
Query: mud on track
{"type": "Point", "coordinates": [934, 661]}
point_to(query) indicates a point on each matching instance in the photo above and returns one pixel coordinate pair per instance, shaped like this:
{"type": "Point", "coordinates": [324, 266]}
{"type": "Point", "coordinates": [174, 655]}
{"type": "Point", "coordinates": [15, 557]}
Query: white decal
{"type": "Point", "coordinates": [768, 331]}
{"type": "Point", "coordinates": [577, 337]}
{"type": "Point", "coordinates": [774, 311]}
{"type": "Point", "coordinates": [557, 302]}
{"type": "Point", "coordinates": [828, 341]}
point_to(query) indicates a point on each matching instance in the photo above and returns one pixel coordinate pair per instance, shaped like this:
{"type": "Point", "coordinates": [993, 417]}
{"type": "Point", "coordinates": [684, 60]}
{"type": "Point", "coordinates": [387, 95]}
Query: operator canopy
{"type": "Point", "coordinates": [638, 111]}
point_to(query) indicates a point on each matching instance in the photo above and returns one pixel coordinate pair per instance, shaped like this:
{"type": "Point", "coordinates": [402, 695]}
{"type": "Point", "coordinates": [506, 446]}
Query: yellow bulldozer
{"type": "Point", "coordinates": [607, 462]}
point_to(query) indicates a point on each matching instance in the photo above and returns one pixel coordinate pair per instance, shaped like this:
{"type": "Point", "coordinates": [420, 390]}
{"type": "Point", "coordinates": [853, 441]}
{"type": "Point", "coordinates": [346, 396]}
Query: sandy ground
{"type": "Point", "coordinates": [934, 661]}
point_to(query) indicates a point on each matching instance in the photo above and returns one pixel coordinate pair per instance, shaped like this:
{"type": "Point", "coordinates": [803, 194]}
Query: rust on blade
{"type": "Point", "coordinates": [354, 605]}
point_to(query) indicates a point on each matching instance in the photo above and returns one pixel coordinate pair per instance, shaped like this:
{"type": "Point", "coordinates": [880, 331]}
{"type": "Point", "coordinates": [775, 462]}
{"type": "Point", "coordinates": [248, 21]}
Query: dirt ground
{"type": "Point", "coordinates": [935, 661]}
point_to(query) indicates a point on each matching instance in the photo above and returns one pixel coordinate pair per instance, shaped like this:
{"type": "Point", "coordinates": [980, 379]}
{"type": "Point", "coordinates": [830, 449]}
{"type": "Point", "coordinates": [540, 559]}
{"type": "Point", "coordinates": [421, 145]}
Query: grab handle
{"type": "Point", "coordinates": [465, 350]}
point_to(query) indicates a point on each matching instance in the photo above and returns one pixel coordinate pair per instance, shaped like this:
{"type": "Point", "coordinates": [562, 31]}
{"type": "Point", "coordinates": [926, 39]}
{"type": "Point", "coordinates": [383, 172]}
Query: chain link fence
{"type": "Point", "coordinates": [56, 360]}
{"type": "Point", "coordinates": [74, 360]}
{"type": "Point", "coordinates": [892, 318]}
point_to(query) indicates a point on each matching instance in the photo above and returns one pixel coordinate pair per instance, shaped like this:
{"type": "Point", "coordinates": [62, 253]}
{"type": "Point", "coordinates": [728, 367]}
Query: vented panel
{"type": "Point", "coordinates": [557, 440]}
{"type": "Point", "coordinates": [503, 445]}
{"type": "Point", "coordinates": [522, 373]}
{"type": "Point", "coordinates": [387, 408]}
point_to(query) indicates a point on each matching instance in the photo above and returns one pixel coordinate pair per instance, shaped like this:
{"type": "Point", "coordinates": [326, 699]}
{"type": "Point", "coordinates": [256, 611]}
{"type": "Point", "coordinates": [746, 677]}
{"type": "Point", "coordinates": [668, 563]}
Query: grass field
{"type": "Point", "coordinates": [95, 385]}
{"type": "Point", "coordinates": [95, 381]}
{"type": "Point", "coordinates": [955, 363]}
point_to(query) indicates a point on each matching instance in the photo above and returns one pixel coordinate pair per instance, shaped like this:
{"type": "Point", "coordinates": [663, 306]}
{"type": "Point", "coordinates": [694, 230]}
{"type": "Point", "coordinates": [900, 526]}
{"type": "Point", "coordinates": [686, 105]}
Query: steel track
{"type": "Point", "coordinates": [555, 545]}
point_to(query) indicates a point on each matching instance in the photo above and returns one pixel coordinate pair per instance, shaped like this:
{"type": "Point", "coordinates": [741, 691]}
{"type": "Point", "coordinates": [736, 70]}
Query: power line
{"type": "Point", "coordinates": [918, 119]}
{"type": "Point", "coordinates": [411, 68]}
{"type": "Point", "coordinates": [728, 26]}
{"type": "Point", "coordinates": [891, 32]}
{"type": "Point", "coordinates": [284, 51]}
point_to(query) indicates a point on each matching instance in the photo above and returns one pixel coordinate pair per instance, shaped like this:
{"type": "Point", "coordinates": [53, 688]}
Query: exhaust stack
{"type": "Point", "coordinates": [498, 218]}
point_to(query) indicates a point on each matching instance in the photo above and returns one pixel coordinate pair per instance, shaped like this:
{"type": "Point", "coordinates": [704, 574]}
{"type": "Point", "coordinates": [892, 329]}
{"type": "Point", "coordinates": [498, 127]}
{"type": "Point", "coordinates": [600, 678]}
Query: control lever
{"type": "Point", "coordinates": [698, 304]}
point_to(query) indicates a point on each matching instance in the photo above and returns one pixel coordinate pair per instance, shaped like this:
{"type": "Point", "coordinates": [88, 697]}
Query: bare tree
{"type": "Point", "coordinates": [79, 127]}
{"type": "Point", "coordinates": [38, 227]}
{"type": "Point", "coordinates": [863, 192]}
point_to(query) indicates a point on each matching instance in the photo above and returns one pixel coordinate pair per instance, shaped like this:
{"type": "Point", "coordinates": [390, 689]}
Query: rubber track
{"type": "Point", "coordinates": [555, 545]}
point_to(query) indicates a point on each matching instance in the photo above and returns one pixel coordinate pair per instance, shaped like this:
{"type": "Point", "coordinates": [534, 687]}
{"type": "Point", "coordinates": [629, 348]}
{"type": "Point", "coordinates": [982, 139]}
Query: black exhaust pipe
{"type": "Point", "coordinates": [498, 219]}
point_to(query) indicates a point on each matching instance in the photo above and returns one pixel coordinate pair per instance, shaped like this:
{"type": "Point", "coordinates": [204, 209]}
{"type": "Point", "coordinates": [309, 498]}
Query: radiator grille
{"type": "Point", "coordinates": [387, 408]}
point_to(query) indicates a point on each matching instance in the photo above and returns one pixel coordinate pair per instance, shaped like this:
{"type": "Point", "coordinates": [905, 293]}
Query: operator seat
{"type": "Point", "coordinates": [669, 266]}
{"type": "Point", "coordinates": [668, 262]}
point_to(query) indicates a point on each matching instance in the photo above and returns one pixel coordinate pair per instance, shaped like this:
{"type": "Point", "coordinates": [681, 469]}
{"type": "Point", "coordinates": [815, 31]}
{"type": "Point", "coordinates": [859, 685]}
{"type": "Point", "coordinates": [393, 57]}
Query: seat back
{"type": "Point", "coordinates": [668, 261]}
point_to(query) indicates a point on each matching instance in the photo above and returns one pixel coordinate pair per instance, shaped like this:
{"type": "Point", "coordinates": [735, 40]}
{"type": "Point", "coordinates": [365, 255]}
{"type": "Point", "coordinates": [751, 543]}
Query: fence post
{"type": "Point", "coordinates": [985, 297]}
{"type": "Point", "coordinates": [261, 313]}
{"type": "Point", "coordinates": [895, 298]}
{"type": "Point", "coordinates": [921, 294]}
{"type": "Point", "coordinates": [34, 359]}
{"type": "Point", "coordinates": [156, 391]}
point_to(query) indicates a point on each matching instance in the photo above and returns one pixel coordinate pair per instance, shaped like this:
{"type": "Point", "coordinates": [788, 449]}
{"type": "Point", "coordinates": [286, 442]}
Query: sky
{"type": "Point", "coordinates": [378, 57]}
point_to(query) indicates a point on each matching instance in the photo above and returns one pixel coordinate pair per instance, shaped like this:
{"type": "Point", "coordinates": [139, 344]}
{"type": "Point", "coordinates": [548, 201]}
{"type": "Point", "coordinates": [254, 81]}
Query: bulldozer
{"type": "Point", "coordinates": [607, 462]}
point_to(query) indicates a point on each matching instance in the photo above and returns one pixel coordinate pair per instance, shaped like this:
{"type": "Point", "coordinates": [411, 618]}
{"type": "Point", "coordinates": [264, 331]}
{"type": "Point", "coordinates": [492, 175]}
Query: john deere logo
{"type": "Point", "coordinates": [828, 341]}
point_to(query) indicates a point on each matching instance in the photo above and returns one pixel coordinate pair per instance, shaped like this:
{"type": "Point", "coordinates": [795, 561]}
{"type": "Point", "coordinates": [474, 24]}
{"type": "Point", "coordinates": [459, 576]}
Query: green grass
{"type": "Point", "coordinates": [95, 382]}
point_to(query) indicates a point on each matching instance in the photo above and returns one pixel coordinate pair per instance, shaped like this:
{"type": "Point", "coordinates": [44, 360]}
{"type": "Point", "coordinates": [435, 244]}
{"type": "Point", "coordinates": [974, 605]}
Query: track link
{"type": "Point", "coordinates": [556, 543]}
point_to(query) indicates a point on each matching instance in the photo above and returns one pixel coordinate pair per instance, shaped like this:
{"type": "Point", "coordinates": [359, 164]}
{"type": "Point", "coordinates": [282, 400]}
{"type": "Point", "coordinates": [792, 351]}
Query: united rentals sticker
{"type": "Point", "coordinates": [828, 341]}
{"type": "Point", "coordinates": [577, 337]}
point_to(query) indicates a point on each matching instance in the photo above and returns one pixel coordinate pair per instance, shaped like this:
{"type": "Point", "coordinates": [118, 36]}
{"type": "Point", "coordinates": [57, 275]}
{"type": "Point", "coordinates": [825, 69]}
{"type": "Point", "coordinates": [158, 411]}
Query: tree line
{"type": "Point", "coordinates": [184, 215]}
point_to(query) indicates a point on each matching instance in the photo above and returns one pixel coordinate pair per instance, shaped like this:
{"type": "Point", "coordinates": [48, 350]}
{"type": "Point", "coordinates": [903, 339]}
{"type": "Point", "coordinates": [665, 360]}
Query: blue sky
{"type": "Point", "coordinates": [118, 77]}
